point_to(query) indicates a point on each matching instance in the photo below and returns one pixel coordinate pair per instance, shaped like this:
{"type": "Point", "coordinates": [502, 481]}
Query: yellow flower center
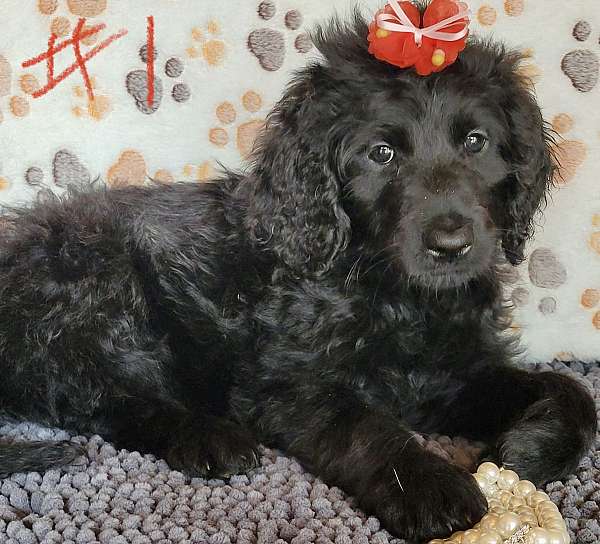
{"type": "Point", "coordinates": [438, 57]}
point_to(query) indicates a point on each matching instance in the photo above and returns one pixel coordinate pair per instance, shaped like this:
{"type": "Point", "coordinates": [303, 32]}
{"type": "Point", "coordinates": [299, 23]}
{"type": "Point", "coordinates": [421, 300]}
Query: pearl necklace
{"type": "Point", "coordinates": [517, 513]}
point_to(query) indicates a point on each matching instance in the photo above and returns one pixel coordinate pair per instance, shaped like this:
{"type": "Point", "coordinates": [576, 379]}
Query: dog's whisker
{"type": "Point", "coordinates": [398, 479]}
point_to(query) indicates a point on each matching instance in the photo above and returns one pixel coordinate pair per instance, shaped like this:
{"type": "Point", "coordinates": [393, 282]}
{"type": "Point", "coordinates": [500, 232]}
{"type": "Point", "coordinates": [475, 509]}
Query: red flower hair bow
{"type": "Point", "coordinates": [397, 36]}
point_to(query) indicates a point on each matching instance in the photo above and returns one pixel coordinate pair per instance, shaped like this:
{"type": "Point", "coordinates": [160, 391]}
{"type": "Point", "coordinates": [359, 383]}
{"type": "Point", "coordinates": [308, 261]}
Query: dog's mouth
{"type": "Point", "coordinates": [436, 269]}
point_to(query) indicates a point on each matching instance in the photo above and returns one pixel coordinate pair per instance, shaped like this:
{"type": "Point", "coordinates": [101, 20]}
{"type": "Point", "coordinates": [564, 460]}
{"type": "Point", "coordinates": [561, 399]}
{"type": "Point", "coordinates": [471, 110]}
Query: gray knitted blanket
{"type": "Point", "coordinates": [116, 497]}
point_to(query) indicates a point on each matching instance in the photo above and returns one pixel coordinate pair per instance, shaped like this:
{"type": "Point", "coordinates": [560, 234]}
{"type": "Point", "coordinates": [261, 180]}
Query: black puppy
{"type": "Point", "coordinates": [342, 294]}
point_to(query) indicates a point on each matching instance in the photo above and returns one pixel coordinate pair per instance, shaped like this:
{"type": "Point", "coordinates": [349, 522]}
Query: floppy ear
{"type": "Point", "coordinates": [295, 209]}
{"type": "Point", "coordinates": [529, 151]}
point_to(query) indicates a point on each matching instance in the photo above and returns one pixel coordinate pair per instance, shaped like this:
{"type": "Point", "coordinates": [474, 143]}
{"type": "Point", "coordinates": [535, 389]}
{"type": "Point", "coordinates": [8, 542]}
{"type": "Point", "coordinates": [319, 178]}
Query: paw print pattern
{"type": "Point", "coordinates": [582, 66]}
{"type": "Point", "coordinates": [595, 236]}
{"type": "Point", "coordinates": [246, 132]}
{"type": "Point", "coordinates": [487, 15]}
{"type": "Point", "coordinates": [570, 154]}
{"type": "Point", "coordinates": [590, 300]}
{"type": "Point", "coordinates": [200, 173]}
{"type": "Point", "coordinates": [61, 24]}
{"type": "Point", "coordinates": [67, 171]}
{"type": "Point", "coordinates": [97, 108]}
{"type": "Point", "coordinates": [17, 104]}
{"type": "Point", "coordinates": [206, 45]}
{"type": "Point", "coordinates": [546, 271]}
{"type": "Point", "coordinates": [268, 44]}
{"type": "Point", "coordinates": [190, 172]}
{"type": "Point", "coordinates": [137, 83]}
{"type": "Point", "coordinates": [129, 169]}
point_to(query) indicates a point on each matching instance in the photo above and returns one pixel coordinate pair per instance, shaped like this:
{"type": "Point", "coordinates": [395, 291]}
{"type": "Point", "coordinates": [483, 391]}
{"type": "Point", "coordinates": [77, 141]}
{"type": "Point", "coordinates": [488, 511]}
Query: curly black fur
{"type": "Point", "coordinates": [297, 305]}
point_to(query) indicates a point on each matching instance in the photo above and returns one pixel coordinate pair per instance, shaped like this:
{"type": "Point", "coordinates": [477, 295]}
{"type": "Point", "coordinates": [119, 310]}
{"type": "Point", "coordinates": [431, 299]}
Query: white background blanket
{"type": "Point", "coordinates": [219, 66]}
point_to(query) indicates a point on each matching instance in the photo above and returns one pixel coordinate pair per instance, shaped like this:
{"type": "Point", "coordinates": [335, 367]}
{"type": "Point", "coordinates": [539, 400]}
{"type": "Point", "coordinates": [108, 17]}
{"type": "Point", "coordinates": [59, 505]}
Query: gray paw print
{"type": "Point", "coordinates": [582, 66]}
{"type": "Point", "coordinates": [268, 45]}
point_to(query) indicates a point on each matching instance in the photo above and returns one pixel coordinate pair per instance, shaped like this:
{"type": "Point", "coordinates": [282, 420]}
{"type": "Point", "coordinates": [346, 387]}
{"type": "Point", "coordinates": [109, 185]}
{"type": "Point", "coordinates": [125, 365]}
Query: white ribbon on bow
{"type": "Point", "coordinates": [401, 23]}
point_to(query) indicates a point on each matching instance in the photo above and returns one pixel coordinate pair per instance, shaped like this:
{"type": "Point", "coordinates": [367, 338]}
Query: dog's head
{"type": "Point", "coordinates": [434, 174]}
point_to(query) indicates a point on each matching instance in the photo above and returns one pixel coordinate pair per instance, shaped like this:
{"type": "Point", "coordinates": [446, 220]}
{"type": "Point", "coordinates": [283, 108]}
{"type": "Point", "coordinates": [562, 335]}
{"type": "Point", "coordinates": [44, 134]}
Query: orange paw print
{"type": "Point", "coordinates": [570, 154]}
{"type": "Point", "coordinates": [18, 104]}
{"type": "Point", "coordinates": [190, 172]}
{"type": "Point", "coordinates": [4, 183]}
{"type": "Point", "coordinates": [205, 45]}
{"type": "Point", "coordinates": [61, 24]}
{"type": "Point", "coordinates": [129, 169]}
{"type": "Point", "coordinates": [97, 108]}
{"type": "Point", "coordinates": [590, 300]}
{"type": "Point", "coordinates": [595, 237]}
{"type": "Point", "coordinates": [200, 173]}
{"type": "Point", "coordinates": [487, 15]}
{"type": "Point", "coordinates": [246, 132]}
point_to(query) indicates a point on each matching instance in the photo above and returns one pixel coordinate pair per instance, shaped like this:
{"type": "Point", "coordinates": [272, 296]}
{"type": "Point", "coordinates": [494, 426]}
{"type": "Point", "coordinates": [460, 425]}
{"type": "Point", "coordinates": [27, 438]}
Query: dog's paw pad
{"type": "Point", "coordinates": [246, 131]}
{"type": "Point", "coordinates": [207, 45]}
{"type": "Point", "coordinates": [268, 44]}
{"type": "Point", "coordinates": [582, 66]}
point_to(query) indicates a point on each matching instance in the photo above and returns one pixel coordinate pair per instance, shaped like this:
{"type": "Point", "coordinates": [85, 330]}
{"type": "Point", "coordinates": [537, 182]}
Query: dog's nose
{"type": "Point", "coordinates": [449, 237]}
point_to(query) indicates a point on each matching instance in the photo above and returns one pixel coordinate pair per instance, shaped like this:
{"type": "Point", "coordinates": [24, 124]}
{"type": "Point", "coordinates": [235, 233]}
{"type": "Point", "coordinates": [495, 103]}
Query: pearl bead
{"type": "Point", "coordinates": [515, 502]}
{"type": "Point", "coordinates": [490, 471]}
{"type": "Point", "coordinates": [489, 521]}
{"type": "Point", "coordinates": [537, 497]}
{"type": "Point", "coordinates": [508, 524]}
{"type": "Point", "coordinates": [470, 537]}
{"type": "Point", "coordinates": [555, 525]}
{"type": "Point", "coordinates": [539, 536]}
{"type": "Point", "coordinates": [437, 541]}
{"type": "Point", "coordinates": [503, 496]}
{"type": "Point", "coordinates": [489, 537]}
{"type": "Point", "coordinates": [484, 484]}
{"type": "Point", "coordinates": [556, 537]}
{"type": "Point", "coordinates": [498, 510]}
{"type": "Point", "coordinates": [524, 488]}
{"type": "Point", "coordinates": [524, 510]}
{"type": "Point", "coordinates": [507, 479]}
{"type": "Point", "coordinates": [530, 520]}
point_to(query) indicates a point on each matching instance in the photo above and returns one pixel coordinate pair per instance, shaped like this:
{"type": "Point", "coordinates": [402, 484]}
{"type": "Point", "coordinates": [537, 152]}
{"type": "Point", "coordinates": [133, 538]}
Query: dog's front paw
{"type": "Point", "coordinates": [553, 434]}
{"type": "Point", "coordinates": [222, 452]}
{"type": "Point", "coordinates": [433, 500]}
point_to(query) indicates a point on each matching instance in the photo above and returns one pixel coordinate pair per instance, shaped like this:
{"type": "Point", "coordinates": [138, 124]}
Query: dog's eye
{"type": "Point", "coordinates": [381, 154]}
{"type": "Point", "coordinates": [475, 141]}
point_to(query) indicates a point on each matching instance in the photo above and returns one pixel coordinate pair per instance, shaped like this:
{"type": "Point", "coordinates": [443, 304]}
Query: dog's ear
{"type": "Point", "coordinates": [528, 151]}
{"type": "Point", "coordinates": [295, 208]}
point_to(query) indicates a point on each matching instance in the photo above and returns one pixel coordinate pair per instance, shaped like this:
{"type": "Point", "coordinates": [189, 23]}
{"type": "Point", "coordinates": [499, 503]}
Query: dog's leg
{"type": "Point", "coordinates": [375, 457]}
{"type": "Point", "coordinates": [37, 456]}
{"type": "Point", "coordinates": [538, 424]}
{"type": "Point", "coordinates": [197, 444]}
